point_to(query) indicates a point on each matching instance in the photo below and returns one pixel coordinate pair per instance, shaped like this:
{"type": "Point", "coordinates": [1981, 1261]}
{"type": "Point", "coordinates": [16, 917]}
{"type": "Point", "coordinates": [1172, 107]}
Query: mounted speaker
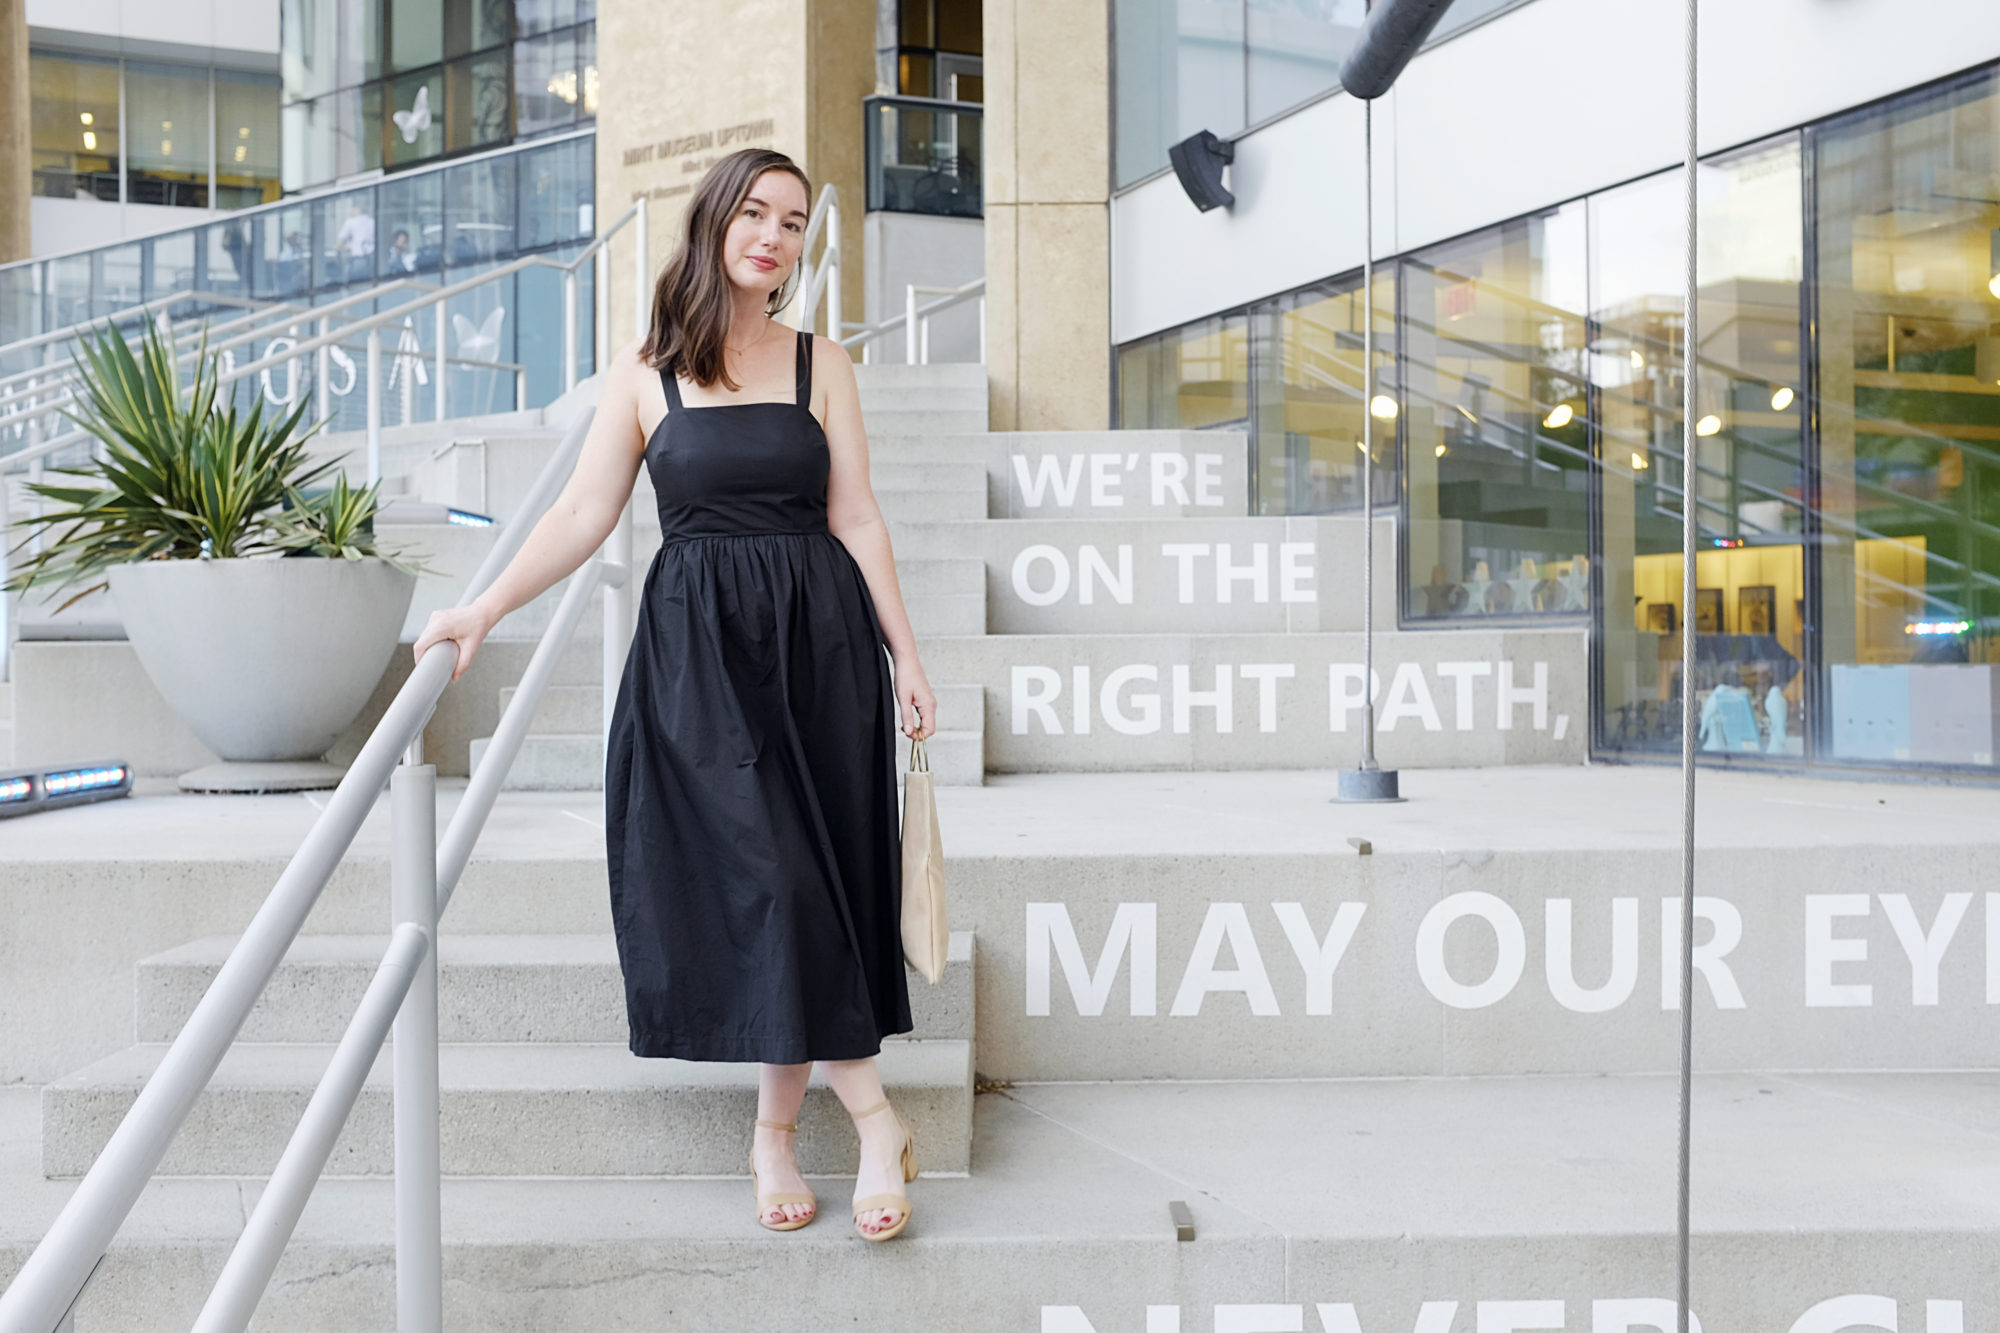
{"type": "Point", "coordinates": [1198, 161]}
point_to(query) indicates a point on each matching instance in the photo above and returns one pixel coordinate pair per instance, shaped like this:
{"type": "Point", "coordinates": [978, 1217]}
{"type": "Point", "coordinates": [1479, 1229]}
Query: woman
{"type": "Point", "coordinates": [750, 775]}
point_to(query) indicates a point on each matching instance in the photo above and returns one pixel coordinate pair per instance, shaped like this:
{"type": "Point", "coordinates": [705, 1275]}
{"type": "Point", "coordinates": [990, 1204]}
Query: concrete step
{"type": "Point", "coordinates": [892, 377]}
{"type": "Point", "coordinates": [941, 575]}
{"type": "Point", "coordinates": [564, 709]}
{"type": "Point", "coordinates": [1168, 575]}
{"type": "Point", "coordinates": [946, 613]}
{"type": "Point", "coordinates": [923, 421]}
{"type": "Point", "coordinates": [932, 505]}
{"type": "Point", "coordinates": [491, 988]}
{"type": "Point", "coordinates": [924, 398]}
{"type": "Point", "coordinates": [901, 476]}
{"type": "Point", "coordinates": [1101, 702]}
{"type": "Point", "coordinates": [514, 1109]}
{"type": "Point", "coordinates": [575, 762]}
{"type": "Point", "coordinates": [1316, 1205]}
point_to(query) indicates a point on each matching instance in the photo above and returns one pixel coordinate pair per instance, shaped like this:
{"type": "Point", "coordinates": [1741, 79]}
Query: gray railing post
{"type": "Point", "coordinates": [437, 393]}
{"type": "Point", "coordinates": [374, 405]}
{"type": "Point", "coordinates": [617, 614]}
{"type": "Point", "coordinates": [832, 253]}
{"type": "Point", "coordinates": [600, 310]}
{"type": "Point", "coordinates": [642, 274]}
{"type": "Point", "coordinates": [569, 330]}
{"type": "Point", "coordinates": [325, 404]}
{"type": "Point", "coordinates": [413, 900]}
{"type": "Point", "coordinates": [910, 325]}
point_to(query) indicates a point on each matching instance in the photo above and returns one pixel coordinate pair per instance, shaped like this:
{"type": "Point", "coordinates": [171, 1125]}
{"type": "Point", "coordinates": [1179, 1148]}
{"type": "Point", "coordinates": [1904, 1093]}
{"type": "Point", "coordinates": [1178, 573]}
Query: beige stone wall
{"type": "Point", "coordinates": [16, 161]}
{"type": "Point", "coordinates": [1048, 272]}
{"type": "Point", "coordinates": [684, 82]}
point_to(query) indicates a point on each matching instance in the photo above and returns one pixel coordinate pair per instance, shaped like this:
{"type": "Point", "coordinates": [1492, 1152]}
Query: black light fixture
{"type": "Point", "coordinates": [1198, 161]}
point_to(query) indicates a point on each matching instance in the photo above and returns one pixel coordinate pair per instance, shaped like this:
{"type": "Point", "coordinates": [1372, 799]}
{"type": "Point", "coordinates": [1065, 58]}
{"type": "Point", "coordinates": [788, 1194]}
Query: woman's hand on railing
{"type": "Point", "coordinates": [466, 626]}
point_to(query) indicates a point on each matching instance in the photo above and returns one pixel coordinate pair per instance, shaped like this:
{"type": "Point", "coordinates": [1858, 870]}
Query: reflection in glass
{"type": "Point", "coordinates": [1309, 415]}
{"type": "Point", "coordinates": [478, 109]}
{"type": "Point", "coordinates": [1496, 423]}
{"type": "Point", "coordinates": [542, 15]}
{"type": "Point", "coordinates": [284, 250]}
{"type": "Point", "coordinates": [1908, 297]}
{"type": "Point", "coordinates": [476, 25]}
{"type": "Point", "coordinates": [229, 257]}
{"type": "Point", "coordinates": [923, 159]}
{"type": "Point", "coordinates": [545, 84]}
{"type": "Point", "coordinates": [1748, 616]}
{"type": "Point", "coordinates": [345, 232]}
{"type": "Point", "coordinates": [171, 266]}
{"type": "Point", "coordinates": [556, 194]}
{"type": "Point", "coordinates": [416, 116]}
{"type": "Point", "coordinates": [416, 33]}
{"type": "Point", "coordinates": [479, 211]}
{"type": "Point", "coordinates": [1179, 69]}
{"type": "Point", "coordinates": [411, 226]}
{"type": "Point", "coordinates": [1187, 378]}
{"type": "Point", "coordinates": [74, 135]}
{"type": "Point", "coordinates": [1295, 50]}
{"type": "Point", "coordinates": [246, 138]}
{"type": "Point", "coordinates": [166, 134]}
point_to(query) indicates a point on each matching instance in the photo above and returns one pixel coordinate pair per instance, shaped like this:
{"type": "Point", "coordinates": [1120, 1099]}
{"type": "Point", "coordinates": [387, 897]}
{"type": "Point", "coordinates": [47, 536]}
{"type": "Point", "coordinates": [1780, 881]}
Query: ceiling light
{"type": "Point", "coordinates": [166, 148]}
{"type": "Point", "coordinates": [1994, 286]}
{"type": "Point", "coordinates": [1382, 407]}
{"type": "Point", "coordinates": [1442, 451]}
{"type": "Point", "coordinates": [1781, 397]}
{"type": "Point", "coordinates": [90, 140]}
{"type": "Point", "coordinates": [1559, 416]}
{"type": "Point", "coordinates": [1708, 425]}
{"type": "Point", "coordinates": [1638, 361]}
{"type": "Point", "coordinates": [87, 118]}
{"type": "Point", "coordinates": [1640, 462]}
{"type": "Point", "coordinates": [243, 131]}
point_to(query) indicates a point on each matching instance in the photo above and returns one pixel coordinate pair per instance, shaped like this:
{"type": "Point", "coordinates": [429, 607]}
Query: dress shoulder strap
{"type": "Point", "coordinates": [805, 368]}
{"type": "Point", "coordinates": [672, 384]}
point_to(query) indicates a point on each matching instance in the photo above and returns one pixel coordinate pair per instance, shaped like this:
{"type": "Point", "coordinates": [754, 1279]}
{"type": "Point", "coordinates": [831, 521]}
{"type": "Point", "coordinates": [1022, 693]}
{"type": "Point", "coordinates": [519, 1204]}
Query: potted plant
{"type": "Point", "coordinates": [263, 613]}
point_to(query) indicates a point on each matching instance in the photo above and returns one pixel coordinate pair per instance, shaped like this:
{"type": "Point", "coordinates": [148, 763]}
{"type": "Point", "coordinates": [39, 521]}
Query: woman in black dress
{"type": "Point", "coordinates": [750, 799]}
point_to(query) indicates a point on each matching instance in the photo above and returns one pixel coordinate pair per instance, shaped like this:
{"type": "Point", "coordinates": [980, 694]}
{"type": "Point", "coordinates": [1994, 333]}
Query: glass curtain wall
{"type": "Point", "coordinates": [1750, 615]}
{"type": "Point", "coordinates": [1907, 302]}
{"type": "Point", "coordinates": [1497, 423]}
{"type": "Point", "coordinates": [392, 83]}
{"type": "Point", "coordinates": [74, 125]}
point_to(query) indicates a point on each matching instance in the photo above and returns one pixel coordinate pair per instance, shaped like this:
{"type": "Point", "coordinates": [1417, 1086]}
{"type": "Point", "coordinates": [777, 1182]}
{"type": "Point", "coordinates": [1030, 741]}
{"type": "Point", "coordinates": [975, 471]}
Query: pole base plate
{"type": "Point", "coordinates": [1375, 786]}
{"type": "Point", "coordinates": [245, 777]}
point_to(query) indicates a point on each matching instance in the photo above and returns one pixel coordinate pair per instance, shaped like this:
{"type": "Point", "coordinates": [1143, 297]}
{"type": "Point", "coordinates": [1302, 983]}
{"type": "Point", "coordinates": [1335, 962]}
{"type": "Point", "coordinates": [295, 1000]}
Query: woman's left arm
{"type": "Point", "coordinates": [853, 516]}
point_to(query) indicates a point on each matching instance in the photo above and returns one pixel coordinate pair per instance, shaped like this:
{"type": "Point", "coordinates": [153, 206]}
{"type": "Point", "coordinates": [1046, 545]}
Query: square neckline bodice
{"type": "Point", "coordinates": [801, 392]}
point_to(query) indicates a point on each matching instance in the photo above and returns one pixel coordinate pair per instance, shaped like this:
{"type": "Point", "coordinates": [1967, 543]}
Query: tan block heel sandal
{"type": "Point", "coordinates": [889, 1202]}
{"type": "Point", "coordinates": [767, 1202]}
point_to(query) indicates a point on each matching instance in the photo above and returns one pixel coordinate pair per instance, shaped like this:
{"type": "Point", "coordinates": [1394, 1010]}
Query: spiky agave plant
{"type": "Point", "coordinates": [336, 524]}
{"type": "Point", "coordinates": [180, 477]}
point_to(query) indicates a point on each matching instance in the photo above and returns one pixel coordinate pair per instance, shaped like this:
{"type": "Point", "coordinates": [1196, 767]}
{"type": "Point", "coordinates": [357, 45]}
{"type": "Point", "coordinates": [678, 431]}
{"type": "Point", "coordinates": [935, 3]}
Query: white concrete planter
{"type": "Point", "coordinates": [265, 659]}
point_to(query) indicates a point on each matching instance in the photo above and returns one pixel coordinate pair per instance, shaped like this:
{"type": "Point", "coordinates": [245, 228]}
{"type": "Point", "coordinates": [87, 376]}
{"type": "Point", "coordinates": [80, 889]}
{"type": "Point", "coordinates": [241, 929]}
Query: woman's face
{"type": "Point", "coordinates": [764, 239]}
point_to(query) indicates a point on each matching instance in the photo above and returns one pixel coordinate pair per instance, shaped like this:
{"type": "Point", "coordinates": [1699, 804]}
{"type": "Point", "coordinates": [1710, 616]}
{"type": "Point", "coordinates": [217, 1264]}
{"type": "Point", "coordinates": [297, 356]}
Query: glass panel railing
{"type": "Point", "coordinates": [924, 156]}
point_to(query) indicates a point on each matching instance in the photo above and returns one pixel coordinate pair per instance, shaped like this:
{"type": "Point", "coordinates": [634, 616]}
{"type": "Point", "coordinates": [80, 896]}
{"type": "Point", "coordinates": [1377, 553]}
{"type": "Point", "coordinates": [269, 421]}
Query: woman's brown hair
{"type": "Point", "coordinates": [692, 306]}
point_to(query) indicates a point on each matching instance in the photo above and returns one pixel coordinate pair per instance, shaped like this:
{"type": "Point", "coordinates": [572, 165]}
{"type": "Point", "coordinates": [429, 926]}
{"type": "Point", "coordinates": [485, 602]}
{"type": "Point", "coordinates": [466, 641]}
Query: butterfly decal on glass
{"type": "Point", "coordinates": [479, 342]}
{"type": "Point", "coordinates": [418, 118]}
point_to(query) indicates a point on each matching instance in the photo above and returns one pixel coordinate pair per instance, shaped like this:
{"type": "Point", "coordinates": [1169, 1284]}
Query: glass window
{"type": "Point", "coordinates": [170, 267]}
{"type": "Point", "coordinates": [345, 229]}
{"type": "Point", "coordinates": [916, 27]}
{"type": "Point", "coordinates": [1187, 378]}
{"type": "Point", "coordinates": [328, 44]}
{"type": "Point", "coordinates": [284, 251]}
{"type": "Point", "coordinates": [1179, 69]}
{"type": "Point", "coordinates": [69, 290]}
{"type": "Point", "coordinates": [411, 225]}
{"type": "Point", "coordinates": [416, 33]}
{"type": "Point", "coordinates": [1308, 421]}
{"type": "Point", "coordinates": [478, 101]}
{"type": "Point", "coordinates": [586, 57]}
{"type": "Point", "coordinates": [1908, 308]}
{"type": "Point", "coordinates": [1496, 422]}
{"type": "Point", "coordinates": [75, 125]}
{"type": "Point", "coordinates": [475, 25]}
{"type": "Point", "coordinates": [416, 118]}
{"type": "Point", "coordinates": [479, 211]}
{"type": "Point", "coordinates": [960, 26]}
{"type": "Point", "coordinates": [1295, 50]}
{"type": "Point", "coordinates": [230, 258]}
{"type": "Point", "coordinates": [545, 83]}
{"type": "Point", "coordinates": [246, 138]}
{"type": "Point", "coordinates": [166, 129]}
{"type": "Point", "coordinates": [543, 15]}
{"type": "Point", "coordinates": [1749, 613]}
{"type": "Point", "coordinates": [1465, 13]}
{"type": "Point", "coordinates": [557, 193]}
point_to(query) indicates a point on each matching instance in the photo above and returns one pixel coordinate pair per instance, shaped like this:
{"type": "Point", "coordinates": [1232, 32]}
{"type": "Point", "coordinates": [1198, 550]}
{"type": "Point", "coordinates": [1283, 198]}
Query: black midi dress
{"type": "Point", "coordinates": [749, 786]}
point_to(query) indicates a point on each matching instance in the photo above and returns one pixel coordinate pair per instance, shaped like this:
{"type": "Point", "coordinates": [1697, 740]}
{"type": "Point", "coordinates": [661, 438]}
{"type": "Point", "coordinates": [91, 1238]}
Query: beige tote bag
{"type": "Point", "coordinates": [926, 929]}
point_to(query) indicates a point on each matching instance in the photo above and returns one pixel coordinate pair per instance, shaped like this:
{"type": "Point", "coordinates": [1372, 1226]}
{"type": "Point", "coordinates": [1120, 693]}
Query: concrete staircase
{"type": "Point", "coordinates": [535, 1077]}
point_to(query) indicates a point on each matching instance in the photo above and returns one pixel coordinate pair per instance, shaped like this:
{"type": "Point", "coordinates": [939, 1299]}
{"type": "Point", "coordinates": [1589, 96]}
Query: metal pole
{"type": "Point", "coordinates": [437, 392]}
{"type": "Point", "coordinates": [910, 325]}
{"type": "Point", "coordinates": [1368, 439]}
{"type": "Point", "coordinates": [600, 309]}
{"type": "Point", "coordinates": [617, 614]}
{"type": "Point", "coordinates": [642, 275]}
{"type": "Point", "coordinates": [831, 256]}
{"type": "Point", "coordinates": [569, 330]}
{"type": "Point", "coordinates": [325, 412]}
{"type": "Point", "coordinates": [413, 901]}
{"type": "Point", "coordinates": [374, 405]}
{"type": "Point", "coordinates": [982, 330]}
{"type": "Point", "coordinates": [1690, 483]}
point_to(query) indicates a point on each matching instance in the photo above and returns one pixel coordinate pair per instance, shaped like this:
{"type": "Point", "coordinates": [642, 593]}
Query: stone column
{"type": "Point", "coordinates": [684, 82]}
{"type": "Point", "coordinates": [16, 127]}
{"type": "Point", "coordinates": [1048, 172]}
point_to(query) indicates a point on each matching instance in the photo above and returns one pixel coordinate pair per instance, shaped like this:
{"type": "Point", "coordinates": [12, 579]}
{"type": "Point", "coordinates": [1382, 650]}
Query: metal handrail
{"type": "Point", "coordinates": [914, 320]}
{"type": "Point", "coordinates": [47, 1286]}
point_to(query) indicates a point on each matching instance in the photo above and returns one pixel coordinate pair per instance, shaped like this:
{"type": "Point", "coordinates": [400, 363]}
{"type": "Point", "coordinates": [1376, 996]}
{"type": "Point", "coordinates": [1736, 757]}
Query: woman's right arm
{"type": "Point", "coordinates": [574, 526]}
